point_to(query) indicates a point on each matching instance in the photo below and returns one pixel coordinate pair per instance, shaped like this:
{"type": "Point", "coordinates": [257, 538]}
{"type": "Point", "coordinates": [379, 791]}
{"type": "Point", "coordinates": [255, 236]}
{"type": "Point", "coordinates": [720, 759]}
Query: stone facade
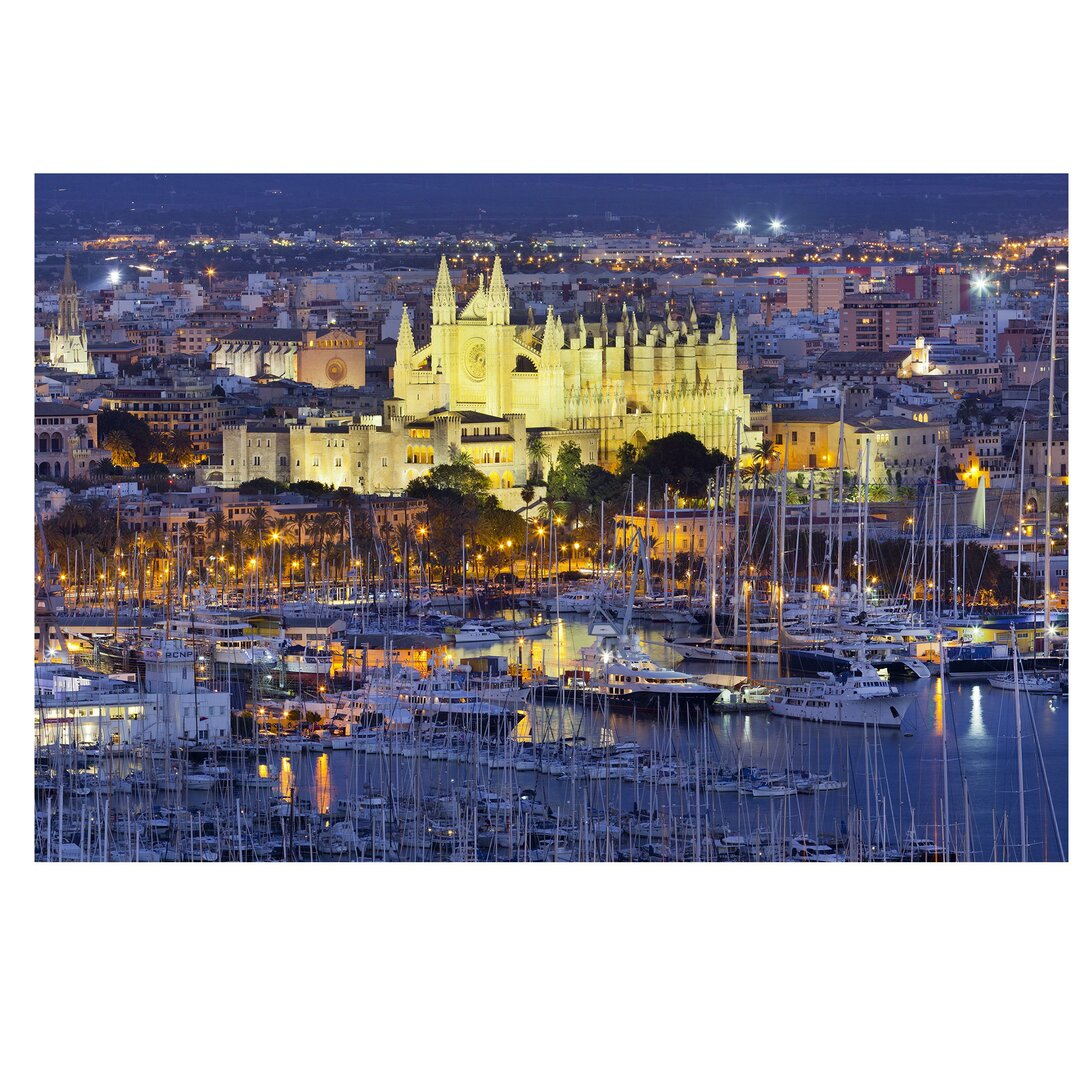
{"type": "Point", "coordinates": [322, 358]}
{"type": "Point", "coordinates": [626, 382]}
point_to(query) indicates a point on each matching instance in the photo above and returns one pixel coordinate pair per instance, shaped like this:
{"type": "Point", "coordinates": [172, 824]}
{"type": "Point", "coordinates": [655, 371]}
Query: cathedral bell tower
{"type": "Point", "coordinates": [68, 348]}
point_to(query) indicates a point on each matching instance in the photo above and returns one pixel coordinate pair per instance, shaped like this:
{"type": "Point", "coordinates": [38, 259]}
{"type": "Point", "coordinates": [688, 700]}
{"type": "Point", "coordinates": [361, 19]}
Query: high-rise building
{"type": "Point", "coordinates": [818, 292]}
{"type": "Point", "coordinates": [878, 320]}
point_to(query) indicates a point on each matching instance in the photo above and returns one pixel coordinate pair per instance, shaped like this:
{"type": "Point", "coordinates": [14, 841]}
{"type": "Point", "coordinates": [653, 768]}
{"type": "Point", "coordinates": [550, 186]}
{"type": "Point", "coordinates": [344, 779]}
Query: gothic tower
{"type": "Point", "coordinates": [67, 341]}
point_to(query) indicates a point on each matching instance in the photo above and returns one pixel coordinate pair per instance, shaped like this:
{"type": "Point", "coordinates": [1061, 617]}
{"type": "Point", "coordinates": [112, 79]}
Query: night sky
{"type": "Point", "coordinates": [433, 201]}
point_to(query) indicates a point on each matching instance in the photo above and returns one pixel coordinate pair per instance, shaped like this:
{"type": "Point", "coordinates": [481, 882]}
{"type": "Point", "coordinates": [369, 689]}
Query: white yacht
{"type": "Point", "coordinates": [856, 696]}
{"type": "Point", "coordinates": [1030, 682]}
{"type": "Point", "coordinates": [225, 638]}
{"type": "Point", "coordinates": [473, 633]}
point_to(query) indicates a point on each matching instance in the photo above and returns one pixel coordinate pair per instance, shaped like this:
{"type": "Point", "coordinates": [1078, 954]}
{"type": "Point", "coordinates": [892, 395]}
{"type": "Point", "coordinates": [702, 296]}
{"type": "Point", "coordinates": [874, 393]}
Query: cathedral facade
{"type": "Point", "coordinates": [68, 349]}
{"type": "Point", "coordinates": [618, 380]}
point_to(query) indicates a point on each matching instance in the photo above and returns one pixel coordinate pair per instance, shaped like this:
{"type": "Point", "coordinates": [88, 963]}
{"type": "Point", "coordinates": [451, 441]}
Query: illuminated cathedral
{"type": "Point", "coordinates": [616, 379]}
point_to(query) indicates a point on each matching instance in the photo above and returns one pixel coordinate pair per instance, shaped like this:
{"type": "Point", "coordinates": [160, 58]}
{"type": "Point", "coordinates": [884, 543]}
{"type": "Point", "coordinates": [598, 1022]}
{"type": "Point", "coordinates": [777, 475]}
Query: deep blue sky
{"type": "Point", "coordinates": [672, 201]}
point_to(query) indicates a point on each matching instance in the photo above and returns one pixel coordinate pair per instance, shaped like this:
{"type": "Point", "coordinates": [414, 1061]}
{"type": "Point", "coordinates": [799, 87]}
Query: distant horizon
{"type": "Point", "coordinates": [442, 202]}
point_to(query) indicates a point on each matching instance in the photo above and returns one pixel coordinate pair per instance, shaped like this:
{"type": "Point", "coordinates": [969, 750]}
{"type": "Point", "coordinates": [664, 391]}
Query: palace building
{"type": "Point", "coordinates": [68, 348]}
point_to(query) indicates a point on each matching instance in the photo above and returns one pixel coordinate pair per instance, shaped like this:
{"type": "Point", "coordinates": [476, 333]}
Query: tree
{"type": "Point", "coordinates": [566, 481]}
{"type": "Point", "coordinates": [626, 455]}
{"type": "Point", "coordinates": [142, 440]}
{"type": "Point", "coordinates": [459, 476]}
{"type": "Point", "coordinates": [119, 446]}
{"type": "Point", "coordinates": [310, 489]}
{"type": "Point", "coordinates": [538, 454]}
{"type": "Point", "coordinates": [260, 485]}
{"type": "Point", "coordinates": [679, 460]}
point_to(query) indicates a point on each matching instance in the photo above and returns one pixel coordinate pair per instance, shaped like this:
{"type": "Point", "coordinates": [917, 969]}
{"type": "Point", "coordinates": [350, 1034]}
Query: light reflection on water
{"type": "Point", "coordinates": [977, 729]}
{"type": "Point", "coordinates": [893, 777]}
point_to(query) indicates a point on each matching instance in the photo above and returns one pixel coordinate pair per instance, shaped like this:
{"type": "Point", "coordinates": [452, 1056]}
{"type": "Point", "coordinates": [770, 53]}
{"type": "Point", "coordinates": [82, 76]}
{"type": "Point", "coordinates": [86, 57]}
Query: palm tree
{"type": "Point", "coordinates": [257, 523]}
{"type": "Point", "coordinates": [215, 522]}
{"type": "Point", "coordinates": [538, 454]}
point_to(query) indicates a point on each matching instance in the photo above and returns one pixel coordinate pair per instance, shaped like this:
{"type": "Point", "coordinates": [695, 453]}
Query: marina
{"type": "Point", "coordinates": [506, 777]}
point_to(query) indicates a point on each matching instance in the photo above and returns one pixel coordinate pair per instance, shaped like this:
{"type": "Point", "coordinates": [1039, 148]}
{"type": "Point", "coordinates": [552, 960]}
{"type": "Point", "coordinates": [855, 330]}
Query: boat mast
{"type": "Point", "coordinates": [809, 562]}
{"type": "Point", "coordinates": [1049, 474]}
{"type": "Point", "coordinates": [738, 501]}
{"type": "Point", "coordinates": [1020, 518]}
{"type": "Point", "coordinates": [840, 500]}
{"type": "Point", "coordinates": [1019, 749]}
{"type": "Point", "coordinates": [116, 570]}
{"type": "Point", "coordinates": [944, 746]}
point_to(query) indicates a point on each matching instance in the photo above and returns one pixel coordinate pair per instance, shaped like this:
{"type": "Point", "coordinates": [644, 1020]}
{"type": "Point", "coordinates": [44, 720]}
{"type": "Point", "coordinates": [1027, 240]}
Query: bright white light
{"type": "Point", "coordinates": [114, 276]}
{"type": "Point", "coordinates": [742, 225]}
{"type": "Point", "coordinates": [980, 283]}
{"type": "Point", "coordinates": [776, 224]}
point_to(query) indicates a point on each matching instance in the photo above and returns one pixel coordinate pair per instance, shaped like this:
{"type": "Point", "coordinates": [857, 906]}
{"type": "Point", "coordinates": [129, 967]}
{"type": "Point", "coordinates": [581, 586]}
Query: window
{"type": "Point", "coordinates": [337, 463]}
{"type": "Point", "coordinates": [283, 461]}
{"type": "Point", "coordinates": [779, 441]}
{"type": "Point", "coordinates": [256, 461]}
{"type": "Point", "coordinates": [314, 462]}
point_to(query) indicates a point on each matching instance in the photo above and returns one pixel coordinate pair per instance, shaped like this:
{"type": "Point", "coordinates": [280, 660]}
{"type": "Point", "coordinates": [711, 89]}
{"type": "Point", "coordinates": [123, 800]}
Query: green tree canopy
{"type": "Point", "coordinates": [566, 480]}
{"type": "Point", "coordinates": [260, 485]}
{"type": "Point", "coordinates": [144, 444]}
{"type": "Point", "coordinates": [679, 459]}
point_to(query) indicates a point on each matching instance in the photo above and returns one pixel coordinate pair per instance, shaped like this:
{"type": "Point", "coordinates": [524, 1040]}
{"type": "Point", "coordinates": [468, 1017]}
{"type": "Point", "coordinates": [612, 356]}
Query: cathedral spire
{"type": "Point", "coordinates": [560, 332]}
{"type": "Point", "coordinates": [603, 323]}
{"type": "Point", "coordinates": [550, 346]}
{"type": "Point", "coordinates": [633, 328]}
{"type": "Point", "coordinates": [733, 334]}
{"type": "Point", "coordinates": [443, 300]}
{"type": "Point", "coordinates": [405, 339]}
{"type": "Point", "coordinates": [68, 279]}
{"type": "Point", "coordinates": [498, 299]}
{"type": "Point", "coordinates": [693, 314]}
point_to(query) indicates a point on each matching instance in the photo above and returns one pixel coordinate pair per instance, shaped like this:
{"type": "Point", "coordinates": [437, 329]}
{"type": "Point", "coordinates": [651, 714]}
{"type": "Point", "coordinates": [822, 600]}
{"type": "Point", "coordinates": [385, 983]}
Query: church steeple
{"type": "Point", "coordinates": [498, 297]}
{"type": "Point", "coordinates": [67, 320]}
{"type": "Point", "coordinates": [733, 335]}
{"type": "Point", "coordinates": [443, 300]}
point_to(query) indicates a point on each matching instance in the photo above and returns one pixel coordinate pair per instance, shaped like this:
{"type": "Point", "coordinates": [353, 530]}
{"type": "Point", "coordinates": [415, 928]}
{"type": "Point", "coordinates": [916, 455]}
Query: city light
{"type": "Point", "coordinates": [742, 225]}
{"type": "Point", "coordinates": [776, 225]}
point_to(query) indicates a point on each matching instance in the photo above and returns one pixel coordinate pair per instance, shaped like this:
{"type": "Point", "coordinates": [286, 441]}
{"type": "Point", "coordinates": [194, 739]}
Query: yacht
{"type": "Point", "coordinates": [226, 639]}
{"type": "Point", "coordinates": [1030, 683]}
{"type": "Point", "coordinates": [473, 633]}
{"type": "Point", "coordinates": [618, 670]}
{"type": "Point", "coordinates": [858, 695]}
